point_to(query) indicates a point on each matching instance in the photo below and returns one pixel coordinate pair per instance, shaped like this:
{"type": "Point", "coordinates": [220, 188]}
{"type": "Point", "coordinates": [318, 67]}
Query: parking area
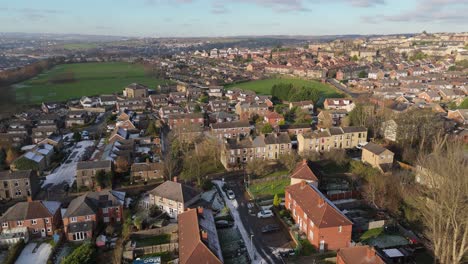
{"type": "Point", "coordinates": [267, 245]}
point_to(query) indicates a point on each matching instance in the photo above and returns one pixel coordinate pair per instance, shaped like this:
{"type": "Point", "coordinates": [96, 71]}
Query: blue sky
{"type": "Point", "coordinates": [182, 18]}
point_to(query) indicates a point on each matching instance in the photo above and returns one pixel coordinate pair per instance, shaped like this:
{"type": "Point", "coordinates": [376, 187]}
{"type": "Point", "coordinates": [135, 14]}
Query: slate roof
{"type": "Point", "coordinates": [89, 203]}
{"type": "Point", "coordinates": [230, 125]}
{"type": "Point", "coordinates": [30, 210]}
{"type": "Point", "coordinates": [21, 174]}
{"type": "Point", "coordinates": [86, 165]}
{"type": "Point", "coordinates": [374, 148]}
{"type": "Point", "coordinates": [175, 191]}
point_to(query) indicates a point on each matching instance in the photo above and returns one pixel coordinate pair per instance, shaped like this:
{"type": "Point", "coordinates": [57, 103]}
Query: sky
{"type": "Point", "coordinates": [206, 18]}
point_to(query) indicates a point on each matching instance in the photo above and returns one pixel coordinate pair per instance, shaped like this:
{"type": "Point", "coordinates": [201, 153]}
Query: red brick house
{"type": "Point", "coordinates": [42, 218]}
{"type": "Point", "coordinates": [86, 211]}
{"type": "Point", "coordinates": [303, 172]}
{"type": "Point", "coordinates": [183, 120]}
{"type": "Point", "coordinates": [358, 255]}
{"type": "Point", "coordinates": [325, 226]}
{"type": "Point", "coordinates": [273, 118]}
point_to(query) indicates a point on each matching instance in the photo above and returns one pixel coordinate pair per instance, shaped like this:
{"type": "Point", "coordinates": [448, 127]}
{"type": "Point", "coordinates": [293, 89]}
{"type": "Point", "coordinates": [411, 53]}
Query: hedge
{"type": "Point", "coordinates": [14, 252]}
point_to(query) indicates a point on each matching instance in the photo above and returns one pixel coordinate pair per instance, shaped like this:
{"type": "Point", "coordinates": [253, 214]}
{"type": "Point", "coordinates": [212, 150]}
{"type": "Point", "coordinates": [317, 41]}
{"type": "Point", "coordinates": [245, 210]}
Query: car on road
{"type": "Point", "coordinates": [288, 253]}
{"type": "Point", "coordinates": [265, 214]}
{"type": "Point", "coordinates": [270, 228]}
{"type": "Point", "coordinates": [223, 224]}
{"type": "Point", "coordinates": [231, 195]}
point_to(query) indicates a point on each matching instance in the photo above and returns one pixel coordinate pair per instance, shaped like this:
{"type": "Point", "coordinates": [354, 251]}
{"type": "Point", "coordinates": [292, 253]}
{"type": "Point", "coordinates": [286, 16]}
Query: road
{"type": "Point", "coordinates": [343, 88]}
{"type": "Point", "coordinates": [266, 245]}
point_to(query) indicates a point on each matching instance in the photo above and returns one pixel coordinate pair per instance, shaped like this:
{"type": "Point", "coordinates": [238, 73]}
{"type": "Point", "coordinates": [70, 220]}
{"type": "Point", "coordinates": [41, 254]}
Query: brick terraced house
{"type": "Point", "coordinates": [325, 226]}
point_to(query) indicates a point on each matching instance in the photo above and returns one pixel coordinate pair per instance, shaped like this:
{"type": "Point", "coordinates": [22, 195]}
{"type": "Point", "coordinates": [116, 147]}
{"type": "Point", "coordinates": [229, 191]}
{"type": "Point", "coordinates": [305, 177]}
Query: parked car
{"type": "Point", "coordinates": [361, 145]}
{"type": "Point", "coordinates": [231, 195]}
{"type": "Point", "coordinates": [270, 228]}
{"type": "Point", "coordinates": [288, 253]}
{"type": "Point", "coordinates": [265, 214]}
{"type": "Point", "coordinates": [223, 224]}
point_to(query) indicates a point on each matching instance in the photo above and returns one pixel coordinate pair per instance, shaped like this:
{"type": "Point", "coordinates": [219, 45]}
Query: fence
{"type": "Point", "coordinates": [170, 247]}
{"type": "Point", "coordinates": [344, 195]}
{"type": "Point", "coordinates": [157, 231]}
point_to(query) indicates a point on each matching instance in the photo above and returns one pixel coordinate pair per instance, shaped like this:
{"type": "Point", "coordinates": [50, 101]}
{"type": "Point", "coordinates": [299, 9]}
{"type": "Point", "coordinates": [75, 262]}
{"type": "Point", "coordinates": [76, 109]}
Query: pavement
{"type": "Point", "coordinates": [262, 248]}
{"type": "Point", "coordinates": [66, 172]}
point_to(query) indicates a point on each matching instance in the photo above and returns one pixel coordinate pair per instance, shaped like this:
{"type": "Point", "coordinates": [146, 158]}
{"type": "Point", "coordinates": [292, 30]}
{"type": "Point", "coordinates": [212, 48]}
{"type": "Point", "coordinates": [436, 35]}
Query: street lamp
{"type": "Point", "coordinates": [251, 246]}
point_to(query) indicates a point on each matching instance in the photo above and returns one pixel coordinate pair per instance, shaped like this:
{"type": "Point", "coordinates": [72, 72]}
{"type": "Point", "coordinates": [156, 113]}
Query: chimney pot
{"type": "Point", "coordinates": [200, 210]}
{"type": "Point", "coordinates": [304, 161]}
{"type": "Point", "coordinates": [204, 235]}
{"type": "Point", "coordinates": [370, 252]}
{"type": "Point", "coordinates": [29, 199]}
{"type": "Point", "coordinates": [303, 184]}
{"type": "Point", "coordinates": [175, 179]}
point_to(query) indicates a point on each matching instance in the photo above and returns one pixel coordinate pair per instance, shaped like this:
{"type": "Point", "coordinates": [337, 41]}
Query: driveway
{"type": "Point", "coordinates": [265, 246]}
{"type": "Point", "coordinates": [31, 254]}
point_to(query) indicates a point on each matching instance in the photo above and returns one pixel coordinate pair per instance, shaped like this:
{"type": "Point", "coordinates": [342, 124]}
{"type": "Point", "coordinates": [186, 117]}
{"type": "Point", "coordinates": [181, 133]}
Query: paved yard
{"type": "Point", "coordinates": [40, 255]}
{"type": "Point", "coordinates": [67, 171]}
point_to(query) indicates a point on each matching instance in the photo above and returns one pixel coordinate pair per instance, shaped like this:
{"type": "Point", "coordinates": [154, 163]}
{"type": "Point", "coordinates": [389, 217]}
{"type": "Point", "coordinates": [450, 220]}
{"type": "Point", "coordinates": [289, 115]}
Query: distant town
{"type": "Point", "coordinates": [337, 149]}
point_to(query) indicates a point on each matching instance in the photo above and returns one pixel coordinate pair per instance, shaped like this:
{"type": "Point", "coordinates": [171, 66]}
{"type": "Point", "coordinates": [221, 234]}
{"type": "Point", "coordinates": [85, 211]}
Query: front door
{"type": "Point", "coordinates": [322, 245]}
{"type": "Point", "coordinates": [43, 232]}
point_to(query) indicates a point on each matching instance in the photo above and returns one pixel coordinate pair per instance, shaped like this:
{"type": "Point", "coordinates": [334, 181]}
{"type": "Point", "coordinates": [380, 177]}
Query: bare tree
{"type": "Point", "coordinates": [444, 203]}
{"type": "Point", "coordinates": [289, 160]}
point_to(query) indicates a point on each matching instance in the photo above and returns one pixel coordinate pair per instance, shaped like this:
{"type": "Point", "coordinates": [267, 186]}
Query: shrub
{"type": "Point", "coordinates": [84, 254]}
{"type": "Point", "coordinates": [14, 252]}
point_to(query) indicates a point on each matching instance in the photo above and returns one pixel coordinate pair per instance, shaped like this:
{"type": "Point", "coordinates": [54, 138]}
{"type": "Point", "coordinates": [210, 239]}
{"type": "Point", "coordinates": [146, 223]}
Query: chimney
{"type": "Point", "coordinates": [321, 202]}
{"type": "Point", "coordinates": [98, 188]}
{"type": "Point", "coordinates": [303, 184]}
{"type": "Point", "coordinates": [29, 199]}
{"type": "Point", "coordinates": [147, 161]}
{"type": "Point", "coordinates": [175, 179]}
{"type": "Point", "coordinates": [200, 210]}
{"type": "Point", "coordinates": [370, 253]}
{"type": "Point", "coordinates": [304, 162]}
{"type": "Point", "coordinates": [204, 235]}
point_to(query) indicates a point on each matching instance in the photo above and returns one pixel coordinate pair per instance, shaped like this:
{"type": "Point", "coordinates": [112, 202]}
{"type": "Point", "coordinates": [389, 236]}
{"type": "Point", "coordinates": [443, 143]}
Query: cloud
{"type": "Point", "coordinates": [450, 11]}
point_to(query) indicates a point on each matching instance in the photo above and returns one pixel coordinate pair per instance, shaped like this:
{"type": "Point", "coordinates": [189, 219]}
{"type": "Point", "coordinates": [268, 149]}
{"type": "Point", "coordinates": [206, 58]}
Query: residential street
{"type": "Point", "coordinates": [265, 246]}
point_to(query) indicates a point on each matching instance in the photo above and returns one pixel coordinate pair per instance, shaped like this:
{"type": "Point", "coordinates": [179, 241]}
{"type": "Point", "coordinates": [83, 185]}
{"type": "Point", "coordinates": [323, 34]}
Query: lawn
{"type": "Point", "coordinates": [152, 240]}
{"type": "Point", "coordinates": [371, 233]}
{"type": "Point", "coordinates": [69, 81]}
{"type": "Point", "coordinates": [270, 188]}
{"type": "Point", "coordinates": [264, 86]}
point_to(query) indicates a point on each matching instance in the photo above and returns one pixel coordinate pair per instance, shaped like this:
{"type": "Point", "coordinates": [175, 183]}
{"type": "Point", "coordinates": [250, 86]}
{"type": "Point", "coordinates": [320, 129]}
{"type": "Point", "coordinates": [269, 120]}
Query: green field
{"type": "Point", "coordinates": [79, 46]}
{"type": "Point", "coordinates": [264, 86]}
{"type": "Point", "coordinates": [270, 188]}
{"type": "Point", "coordinates": [69, 81]}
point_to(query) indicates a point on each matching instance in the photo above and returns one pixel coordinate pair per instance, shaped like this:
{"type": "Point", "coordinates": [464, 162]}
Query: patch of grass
{"type": "Point", "coordinates": [69, 81]}
{"type": "Point", "coordinates": [264, 86]}
{"type": "Point", "coordinates": [269, 188]}
{"type": "Point", "coordinates": [333, 168]}
{"type": "Point", "coordinates": [153, 240]}
{"type": "Point", "coordinates": [276, 174]}
{"type": "Point", "coordinates": [371, 233]}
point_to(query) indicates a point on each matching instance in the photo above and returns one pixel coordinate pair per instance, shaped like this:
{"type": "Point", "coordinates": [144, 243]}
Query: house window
{"type": "Point", "coordinates": [34, 221]}
{"type": "Point", "coordinates": [311, 235]}
{"type": "Point", "coordinates": [26, 182]}
{"type": "Point", "coordinates": [340, 228]}
{"type": "Point", "coordinates": [73, 219]}
{"type": "Point", "coordinates": [105, 210]}
{"type": "Point", "coordinates": [5, 224]}
{"type": "Point", "coordinates": [47, 220]}
{"type": "Point", "coordinates": [49, 230]}
{"type": "Point", "coordinates": [117, 209]}
{"type": "Point", "coordinates": [16, 183]}
{"type": "Point", "coordinates": [19, 223]}
{"type": "Point", "coordinates": [88, 217]}
{"type": "Point", "coordinates": [106, 219]}
{"type": "Point", "coordinates": [35, 231]}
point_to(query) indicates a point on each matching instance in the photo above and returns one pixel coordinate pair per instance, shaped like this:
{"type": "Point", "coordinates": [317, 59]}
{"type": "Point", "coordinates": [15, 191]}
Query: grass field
{"type": "Point", "coordinates": [79, 46]}
{"type": "Point", "coordinates": [75, 80]}
{"type": "Point", "coordinates": [270, 188]}
{"type": "Point", "coordinates": [264, 86]}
